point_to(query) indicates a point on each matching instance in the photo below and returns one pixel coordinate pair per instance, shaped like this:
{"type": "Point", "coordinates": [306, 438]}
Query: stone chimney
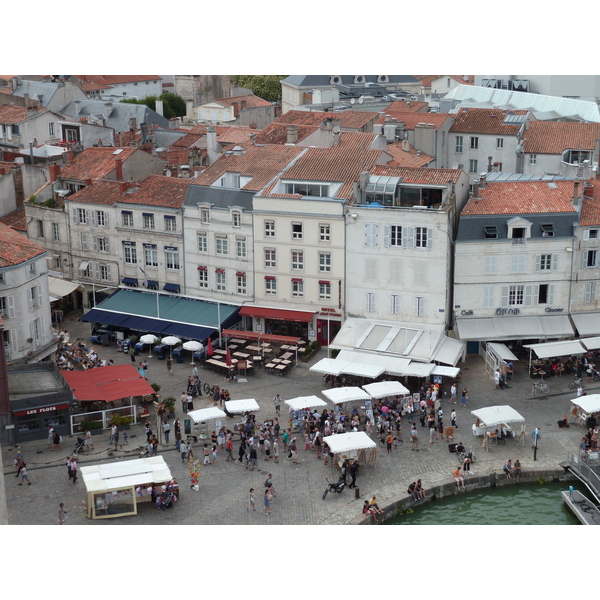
{"type": "Point", "coordinates": [159, 108]}
{"type": "Point", "coordinates": [292, 134]}
{"type": "Point", "coordinates": [236, 109]}
{"type": "Point", "coordinates": [87, 181]}
{"type": "Point", "coordinates": [119, 169]}
{"type": "Point", "coordinates": [77, 107]}
{"type": "Point", "coordinates": [336, 136]}
{"type": "Point", "coordinates": [108, 108]}
{"type": "Point", "coordinates": [54, 172]}
{"type": "Point", "coordinates": [406, 145]}
{"type": "Point", "coordinates": [482, 180]}
{"type": "Point", "coordinates": [132, 124]}
{"type": "Point", "coordinates": [211, 144]}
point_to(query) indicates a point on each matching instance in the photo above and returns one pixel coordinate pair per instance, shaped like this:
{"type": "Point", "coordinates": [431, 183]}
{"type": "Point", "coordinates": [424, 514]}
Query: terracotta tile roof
{"type": "Point", "coordinates": [251, 100]}
{"type": "Point", "coordinates": [522, 197]}
{"type": "Point", "coordinates": [408, 106]}
{"type": "Point", "coordinates": [407, 158]}
{"type": "Point", "coordinates": [94, 163]}
{"type": "Point", "coordinates": [158, 190]}
{"type": "Point", "coordinates": [276, 133]}
{"type": "Point", "coordinates": [10, 114]}
{"type": "Point", "coordinates": [262, 163]}
{"type": "Point", "coordinates": [17, 219]}
{"type": "Point", "coordinates": [102, 191]}
{"type": "Point", "coordinates": [234, 135]}
{"type": "Point", "coordinates": [187, 140]}
{"type": "Point", "coordinates": [552, 137]}
{"type": "Point", "coordinates": [426, 80]}
{"type": "Point", "coordinates": [341, 163]}
{"type": "Point", "coordinates": [356, 119]}
{"type": "Point", "coordinates": [419, 175]}
{"type": "Point", "coordinates": [305, 117]}
{"type": "Point", "coordinates": [108, 80]}
{"type": "Point", "coordinates": [16, 248]}
{"type": "Point", "coordinates": [485, 121]}
{"type": "Point", "coordinates": [5, 167]}
{"type": "Point", "coordinates": [590, 209]}
{"type": "Point", "coordinates": [410, 119]}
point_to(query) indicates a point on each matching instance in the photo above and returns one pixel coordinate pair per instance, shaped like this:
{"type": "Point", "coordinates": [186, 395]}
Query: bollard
{"type": "Point", "coordinates": [357, 493]}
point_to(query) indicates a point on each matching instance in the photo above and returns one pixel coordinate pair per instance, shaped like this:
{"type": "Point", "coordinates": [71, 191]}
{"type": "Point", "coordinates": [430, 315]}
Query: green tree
{"type": "Point", "coordinates": [264, 86]}
{"type": "Point", "coordinates": [173, 105]}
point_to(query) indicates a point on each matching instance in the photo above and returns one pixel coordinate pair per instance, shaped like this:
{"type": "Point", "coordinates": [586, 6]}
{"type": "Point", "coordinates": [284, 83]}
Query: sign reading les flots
{"type": "Point", "coordinates": [43, 409]}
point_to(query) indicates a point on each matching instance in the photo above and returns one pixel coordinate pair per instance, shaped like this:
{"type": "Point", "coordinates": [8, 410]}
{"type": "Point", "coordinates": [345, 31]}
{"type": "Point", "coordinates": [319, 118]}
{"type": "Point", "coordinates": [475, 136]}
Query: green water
{"type": "Point", "coordinates": [529, 504]}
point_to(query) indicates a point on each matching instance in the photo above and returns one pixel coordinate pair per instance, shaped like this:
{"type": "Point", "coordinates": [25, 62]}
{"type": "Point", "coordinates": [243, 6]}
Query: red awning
{"type": "Point", "coordinates": [278, 314]}
{"type": "Point", "coordinates": [257, 335]}
{"type": "Point", "coordinates": [106, 384]}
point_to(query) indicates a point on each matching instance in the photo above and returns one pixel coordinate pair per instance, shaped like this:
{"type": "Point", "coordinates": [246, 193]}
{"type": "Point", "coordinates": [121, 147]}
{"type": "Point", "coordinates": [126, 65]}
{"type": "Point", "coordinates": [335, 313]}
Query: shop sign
{"type": "Point", "coordinates": [548, 309]}
{"type": "Point", "coordinates": [466, 313]}
{"type": "Point", "coordinates": [42, 409]}
{"type": "Point", "coordinates": [330, 312]}
{"type": "Point", "coordinates": [507, 311]}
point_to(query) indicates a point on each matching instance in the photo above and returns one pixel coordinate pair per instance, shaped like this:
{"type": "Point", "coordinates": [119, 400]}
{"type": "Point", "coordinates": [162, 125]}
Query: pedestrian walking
{"type": "Point", "coordinates": [88, 439]}
{"type": "Point", "coordinates": [453, 418]}
{"type": "Point", "coordinates": [183, 450]}
{"type": "Point", "coordinates": [132, 354]}
{"type": "Point", "coordinates": [276, 450]}
{"type": "Point", "coordinates": [251, 501]}
{"type": "Point", "coordinates": [536, 436]}
{"type": "Point", "coordinates": [464, 397]}
{"type": "Point", "coordinates": [195, 371]}
{"type": "Point", "coordinates": [267, 502]}
{"type": "Point", "coordinates": [184, 402]}
{"type": "Point", "coordinates": [68, 465]}
{"type": "Point", "coordinates": [116, 436]}
{"type": "Point", "coordinates": [170, 366]}
{"type": "Point", "coordinates": [62, 514]}
{"type": "Point", "coordinates": [167, 432]}
{"type": "Point", "coordinates": [213, 455]}
{"type": "Point", "coordinates": [277, 403]}
{"type": "Point", "coordinates": [414, 438]}
{"type": "Point", "coordinates": [293, 451]}
{"type": "Point", "coordinates": [154, 444]}
{"type": "Point", "coordinates": [74, 470]}
{"type": "Point", "coordinates": [24, 476]}
{"type": "Point", "coordinates": [229, 449]}
{"type": "Point", "coordinates": [267, 447]}
{"type": "Point", "coordinates": [50, 436]}
{"type": "Point", "coordinates": [56, 441]}
{"type": "Point", "coordinates": [353, 474]}
{"type": "Point", "coordinates": [453, 392]}
{"type": "Point", "coordinates": [497, 378]}
{"type": "Point", "coordinates": [148, 432]}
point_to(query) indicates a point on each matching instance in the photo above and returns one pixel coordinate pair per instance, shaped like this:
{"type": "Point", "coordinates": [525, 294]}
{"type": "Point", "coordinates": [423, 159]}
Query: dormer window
{"type": "Point", "coordinates": [576, 157]}
{"type": "Point", "coordinates": [490, 233]}
{"type": "Point", "coordinates": [548, 230]}
{"type": "Point", "coordinates": [519, 230]}
{"type": "Point", "coordinates": [307, 189]}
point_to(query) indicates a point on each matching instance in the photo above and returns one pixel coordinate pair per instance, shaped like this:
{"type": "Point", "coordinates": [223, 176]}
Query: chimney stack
{"type": "Point", "coordinates": [482, 180]}
{"type": "Point", "coordinates": [77, 107]}
{"type": "Point", "coordinates": [54, 172]}
{"type": "Point", "coordinates": [292, 134]}
{"type": "Point", "coordinates": [119, 169]}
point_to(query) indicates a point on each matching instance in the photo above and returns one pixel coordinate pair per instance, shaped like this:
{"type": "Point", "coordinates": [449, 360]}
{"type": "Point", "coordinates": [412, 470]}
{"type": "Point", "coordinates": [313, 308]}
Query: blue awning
{"type": "Point", "coordinates": [151, 284]}
{"type": "Point", "coordinates": [171, 287]}
{"type": "Point", "coordinates": [194, 332]}
{"type": "Point", "coordinates": [144, 324]}
{"type": "Point", "coordinates": [97, 315]}
{"type": "Point", "coordinates": [130, 281]}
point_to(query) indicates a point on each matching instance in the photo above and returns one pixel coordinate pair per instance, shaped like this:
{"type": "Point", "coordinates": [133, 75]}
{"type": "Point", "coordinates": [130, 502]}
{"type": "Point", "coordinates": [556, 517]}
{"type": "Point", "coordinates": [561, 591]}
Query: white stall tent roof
{"type": "Point", "coordinates": [345, 394]}
{"type": "Point", "coordinates": [592, 343]}
{"type": "Point", "coordinates": [242, 406]}
{"type": "Point", "coordinates": [445, 371]}
{"type": "Point", "coordinates": [370, 371]}
{"type": "Point", "coordinates": [206, 414]}
{"type": "Point", "coordinates": [329, 366]}
{"type": "Point", "coordinates": [382, 389]}
{"type": "Point", "coordinates": [126, 474]}
{"type": "Point", "coordinates": [344, 442]}
{"type": "Point", "coordinates": [305, 402]}
{"type": "Point", "coordinates": [589, 404]}
{"type": "Point", "coordinates": [495, 415]}
{"type": "Point", "coordinates": [552, 349]}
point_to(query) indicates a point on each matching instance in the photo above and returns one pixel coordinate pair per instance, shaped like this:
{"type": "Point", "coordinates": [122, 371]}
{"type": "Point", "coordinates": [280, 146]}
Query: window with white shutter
{"type": "Point", "coordinates": [419, 306]}
{"type": "Point", "coordinates": [371, 234]}
{"type": "Point", "coordinates": [370, 302]}
{"type": "Point", "coordinates": [394, 304]}
{"type": "Point", "coordinates": [395, 270]}
{"type": "Point", "coordinates": [420, 269]}
{"type": "Point", "coordinates": [488, 296]}
{"type": "Point", "coordinates": [589, 291]}
{"type": "Point", "coordinates": [490, 264]}
{"type": "Point", "coordinates": [518, 263]}
{"type": "Point", "coordinates": [371, 270]}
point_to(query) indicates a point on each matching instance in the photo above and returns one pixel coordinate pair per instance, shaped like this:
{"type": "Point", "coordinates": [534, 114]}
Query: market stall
{"type": "Point", "coordinates": [299, 406]}
{"type": "Point", "coordinates": [353, 446]}
{"type": "Point", "coordinates": [200, 417]}
{"type": "Point", "coordinates": [586, 406]}
{"type": "Point", "coordinates": [329, 366]}
{"type": "Point", "coordinates": [115, 489]}
{"type": "Point", "coordinates": [385, 389]}
{"type": "Point", "coordinates": [236, 407]}
{"type": "Point", "coordinates": [497, 418]}
{"type": "Point", "coordinates": [346, 394]}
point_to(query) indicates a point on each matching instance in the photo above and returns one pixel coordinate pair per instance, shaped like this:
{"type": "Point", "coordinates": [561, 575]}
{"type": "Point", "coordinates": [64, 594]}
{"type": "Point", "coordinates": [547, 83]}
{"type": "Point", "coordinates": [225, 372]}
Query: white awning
{"type": "Point", "coordinates": [515, 328]}
{"type": "Point", "coordinates": [394, 365]}
{"type": "Point", "coordinates": [329, 366]}
{"type": "Point", "coordinates": [495, 415]}
{"type": "Point", "coordinates": [589, 404]}
{"type": "Point", "coordinates": [371, 371]}
{"type": "Point", "coordinates": [61, 287]}
{"type": "Point", "coordinates": [305, 402]}
{"type": "Point", "coordinates": [345, 394]}
{"type": "Point", "coordinates": [84, 265]}
{"type": "Point", "coordinates": [445, 371]}
{"type": "Point", "coordinates": [592, 343]}
{"type": "Point", "coordinates": [417, 369]}
{"type": "Point", "coordinates": [587, 323]}
{"type": "Point", "coordinates": [344, 442]}
{"type": "Point", "coordinates": [242, 406]}
{"type": "Point", "coordinates": [126, 474]}
{"type": "Point", "coordinates": [450, 351]}
{"type": "Point", "coordinates": [206, 414]}
{"type": "Point", "coordinates": [551, 349]}
{"type": "Point", "coordinates": [502, 351]}
{"type": "Point", "coordinates": [383, 389]}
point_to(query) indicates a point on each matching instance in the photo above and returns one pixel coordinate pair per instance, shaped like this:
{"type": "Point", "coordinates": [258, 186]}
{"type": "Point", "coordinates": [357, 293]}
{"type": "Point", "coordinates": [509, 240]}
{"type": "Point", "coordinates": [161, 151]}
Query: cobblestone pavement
{"type": "Point", "coordinates": [222, 498]}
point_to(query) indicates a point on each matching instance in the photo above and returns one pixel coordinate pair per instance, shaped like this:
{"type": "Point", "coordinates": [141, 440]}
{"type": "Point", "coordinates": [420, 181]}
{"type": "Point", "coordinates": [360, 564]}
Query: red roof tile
{"type": "Point", "coordinates": [102, 191]}
{"type": "Point", "coordinates": [552, 137]}
{"type": "Point", "coordinates": [16, 248]}
{"type": "Point", "coordinates": [10, 115]}
{"type": "Point", "coordinates": [485, 121]}
{"type": "Point", "coordinates": [95, 163]}
{"type": "Point", "coordinates": [410, 119]}
{"type": "Point", "coordinates": [158, 190]}
{"type": "Point", "coordinates": [522, 197]}
{"type": "Point", "coordinates": [590, 209]}
{"type": "Point", "coordinates": [17, 219]}
{"type": "Point", "coordinates": [107, 80]}
{"type": "Point", "coordinates": [407, 158]}
{"type": "Point", "coordinates": [408, 106]}
{"type": "Point", "coordinates": [251, 100]}
{"type": "Point", "coordinates": [276, 133]}
{"type": "Point", "coordinates": [356, 119]}
{"type": "Point", "coordinates": [419, 175]}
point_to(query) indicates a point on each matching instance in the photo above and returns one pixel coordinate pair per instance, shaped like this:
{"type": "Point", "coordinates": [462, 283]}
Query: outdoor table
{"type": "Point", "coordinates": [241, 354]}
{"type": "Point", "coordinates": [286, 355]}
{"type": "Point", "coordinates": [285, 346]}
{"type": "Point", "coordinates": [219, 351]}
{"type": "Point", "coordinates": [286, 362]}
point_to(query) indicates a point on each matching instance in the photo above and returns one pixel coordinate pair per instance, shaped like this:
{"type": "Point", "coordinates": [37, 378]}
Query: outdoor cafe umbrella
{"type": "Point", "coordinates": [193, 346]}
{"type": "Point", "coordinates": [149, 338]}
{"type": "Point", "coordinates": [171, 341]}
{"type": "Point", "coordinates": [228, 358]}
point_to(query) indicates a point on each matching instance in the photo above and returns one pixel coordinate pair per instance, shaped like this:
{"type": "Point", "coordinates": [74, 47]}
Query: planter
{"type": "Point", "coordinates": [306, 358]}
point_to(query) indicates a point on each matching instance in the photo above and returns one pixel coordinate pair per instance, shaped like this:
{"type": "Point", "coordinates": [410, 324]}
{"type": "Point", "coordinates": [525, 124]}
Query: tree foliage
{"type": "Point", "coordinates": [173, 105]}
{"type": "Point", "coordinates": [264, 86]}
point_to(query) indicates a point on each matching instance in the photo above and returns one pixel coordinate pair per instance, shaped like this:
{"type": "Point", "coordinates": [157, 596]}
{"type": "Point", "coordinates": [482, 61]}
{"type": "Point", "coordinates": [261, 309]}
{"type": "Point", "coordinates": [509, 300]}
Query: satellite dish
{"type": "Point", "coordinates": [352, 100]}
{"type": "Point", "coordinates": [361, 100]}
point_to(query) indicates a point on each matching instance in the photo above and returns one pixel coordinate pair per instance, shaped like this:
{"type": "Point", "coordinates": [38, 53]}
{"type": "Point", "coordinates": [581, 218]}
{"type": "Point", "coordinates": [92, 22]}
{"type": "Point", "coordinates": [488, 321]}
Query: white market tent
{"type": "Point", "coordinates": [345, 394]}
{"type": "Point", "coordinates": [361, 370]}
{"type": "Point", "coordinates": [496, 415]}
{"type": "Point", "coordinates": [206, 414]}
{"type": "Point", "coordinates": [302, 402]}
{"type": "Point", "coordinates": [112, 487]}
{"type": "Point", "coordinates": [329, 366]}
{"type": "Point", "coordinates": [353, 445]}
{"type": "Point", "coordinates": [241, 406]}
{"type": "Point", "coordinates": [445, 371]}
{"type": "Point", "coordinates": [588, 404]}
{"type": "Point", "coordinates": [382, 389]}
{"type": "Point", "coordinates": [592, 343]}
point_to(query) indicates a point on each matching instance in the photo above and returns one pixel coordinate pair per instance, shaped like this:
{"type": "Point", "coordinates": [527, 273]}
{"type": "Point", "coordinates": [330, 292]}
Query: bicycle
{"type": "Point", "coordinates": [540, 386]}
{"type": "Point", "coordinates": [209, 390]}
{"type": "Point", "coordinates": [466, 453]}
{"type": "Point", "coordinates": [575, 383]}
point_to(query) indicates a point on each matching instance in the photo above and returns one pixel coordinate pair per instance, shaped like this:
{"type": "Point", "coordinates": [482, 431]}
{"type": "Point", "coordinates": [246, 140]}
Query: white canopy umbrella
{"type": "Point", "coordinates": [345, 394]}
{"type": "Point", "coordinates": [382, 389]}
{"type": "Point", "coordinates": [588, 404]}
{"type": "Point", "coordinates": [305, 402]}
{"type": "Point", "coordinates": [329, 366]}
{"type": "Point", "coordinates": [149, 338]}
{"type": "Point", "coordinates": [241, 406]}
{"type": "Point", "coordinates": [171, 341]}
{"type": "Point", "coordinates": [206, 414]}
{"type": "Point", "coordinates": [193, 346]}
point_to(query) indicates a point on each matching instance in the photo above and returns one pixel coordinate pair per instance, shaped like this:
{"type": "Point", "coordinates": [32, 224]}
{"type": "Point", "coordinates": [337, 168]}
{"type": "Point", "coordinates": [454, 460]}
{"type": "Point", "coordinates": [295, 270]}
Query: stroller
{"type": "Point", "coordinates": [165, 500]}
{"type": "Point", "coordinates": [79, 446]}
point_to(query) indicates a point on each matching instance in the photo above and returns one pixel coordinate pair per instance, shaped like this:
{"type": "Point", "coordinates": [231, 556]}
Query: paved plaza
{"type": "Point", "coordinates": [222, 498]}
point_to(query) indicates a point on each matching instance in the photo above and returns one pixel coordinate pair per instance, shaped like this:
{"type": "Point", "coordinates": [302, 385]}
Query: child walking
{"type": "Point", "coordinates": [251, 501]}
